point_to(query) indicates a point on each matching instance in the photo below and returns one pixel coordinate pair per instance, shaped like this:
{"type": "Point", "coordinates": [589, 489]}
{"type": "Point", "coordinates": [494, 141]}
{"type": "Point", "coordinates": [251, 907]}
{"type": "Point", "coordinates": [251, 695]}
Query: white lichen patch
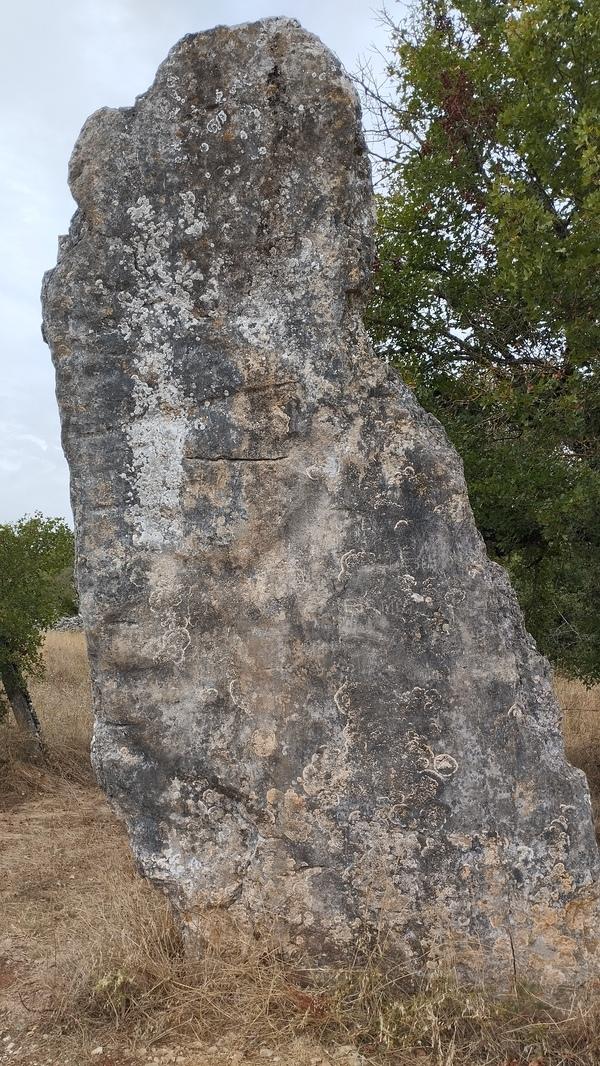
{"type": "Point", "coordinates": [154, 314]}
{"type": "Point", "coordinates": [157, 445]}
{"type": "Point", "coordinates": [193, 221]}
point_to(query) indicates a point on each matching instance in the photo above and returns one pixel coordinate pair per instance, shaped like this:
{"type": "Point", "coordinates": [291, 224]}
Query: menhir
{"type": "Point", "coordinates": [316, 704]}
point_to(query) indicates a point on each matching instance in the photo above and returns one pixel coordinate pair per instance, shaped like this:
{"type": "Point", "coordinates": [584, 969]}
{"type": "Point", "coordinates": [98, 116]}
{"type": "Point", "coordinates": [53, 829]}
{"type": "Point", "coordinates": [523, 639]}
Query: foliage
{"type": "Point", "coordinates": [488, 283]}
{"type": "Point", "coordinates": [36, 561]}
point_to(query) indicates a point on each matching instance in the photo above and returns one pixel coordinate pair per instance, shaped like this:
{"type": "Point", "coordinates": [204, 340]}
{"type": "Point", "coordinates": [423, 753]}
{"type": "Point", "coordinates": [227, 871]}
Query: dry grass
{"type": "Point", "coordinates": [581, 707]}
{"type": "Point", "coordinates": [90, 955]}
{"type": "Point", "coordinates": [63, 703]}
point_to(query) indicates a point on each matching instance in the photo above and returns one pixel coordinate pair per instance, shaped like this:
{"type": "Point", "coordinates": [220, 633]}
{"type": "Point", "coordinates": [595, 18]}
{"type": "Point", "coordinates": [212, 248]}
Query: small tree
{"type": "Point", "coordinates": [36, 564]}
{"type": "Point", "coordinates": [488, 290]}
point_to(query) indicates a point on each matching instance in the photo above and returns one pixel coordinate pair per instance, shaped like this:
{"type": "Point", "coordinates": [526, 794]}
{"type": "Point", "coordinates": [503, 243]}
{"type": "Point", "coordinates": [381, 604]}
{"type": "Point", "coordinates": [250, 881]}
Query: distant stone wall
{"type": "Point", "coordinates": [316, 704]}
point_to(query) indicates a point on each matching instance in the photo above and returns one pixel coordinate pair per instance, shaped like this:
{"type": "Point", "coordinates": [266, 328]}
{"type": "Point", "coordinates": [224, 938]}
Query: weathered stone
{"type": "Point", "coordinates": [315, 699]}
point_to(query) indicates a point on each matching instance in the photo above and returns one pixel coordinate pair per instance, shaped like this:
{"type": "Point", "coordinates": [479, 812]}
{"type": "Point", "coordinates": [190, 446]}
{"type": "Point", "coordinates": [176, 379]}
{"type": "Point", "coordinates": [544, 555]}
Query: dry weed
{"type": "Point", "coordinates": [134, 978]}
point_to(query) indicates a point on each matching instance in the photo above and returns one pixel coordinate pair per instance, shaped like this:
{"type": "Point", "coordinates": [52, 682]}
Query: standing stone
{"type": "Point", "coordinates": [315, 699]}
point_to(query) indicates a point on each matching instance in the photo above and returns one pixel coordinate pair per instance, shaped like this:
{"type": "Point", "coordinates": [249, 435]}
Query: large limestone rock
{"type": "Point", "coordinates": [315, 699]}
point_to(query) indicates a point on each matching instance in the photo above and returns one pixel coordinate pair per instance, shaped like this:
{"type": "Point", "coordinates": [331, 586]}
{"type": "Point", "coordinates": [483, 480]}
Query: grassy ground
{"type": "Point", "coordinates": [91, 968]}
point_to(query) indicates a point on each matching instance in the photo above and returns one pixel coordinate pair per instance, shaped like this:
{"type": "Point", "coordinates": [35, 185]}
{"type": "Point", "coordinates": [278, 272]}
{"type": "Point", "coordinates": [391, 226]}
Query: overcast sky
{"type": "Point", "coordinates": [60, 61]}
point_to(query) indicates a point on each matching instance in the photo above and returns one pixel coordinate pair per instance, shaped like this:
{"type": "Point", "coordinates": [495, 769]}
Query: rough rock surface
{"type": "Point", "coordinates": [315, 698]}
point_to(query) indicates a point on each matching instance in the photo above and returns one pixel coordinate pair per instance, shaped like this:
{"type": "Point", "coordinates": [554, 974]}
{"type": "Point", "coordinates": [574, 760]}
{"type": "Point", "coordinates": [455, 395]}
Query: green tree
{"type": "Point", "coordinates": [36, 564]}
{"type": "Point", "coordinates": [487, 292]}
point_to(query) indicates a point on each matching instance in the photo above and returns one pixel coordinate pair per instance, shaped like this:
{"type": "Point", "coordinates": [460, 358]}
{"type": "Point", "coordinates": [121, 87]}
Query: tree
{"type": "Point", "coordinates": [36, 564]}
{"type": "Point", "coordinates": [487, 292]}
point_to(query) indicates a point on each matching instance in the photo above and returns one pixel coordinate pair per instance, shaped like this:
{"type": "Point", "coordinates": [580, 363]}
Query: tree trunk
{"type": "Point", "coordinates": [20, 701]}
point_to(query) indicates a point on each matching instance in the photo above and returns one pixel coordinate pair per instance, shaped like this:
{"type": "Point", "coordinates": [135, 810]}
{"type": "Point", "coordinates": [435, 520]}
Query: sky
{"type": "Point", "coordinates": [60, 61]}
